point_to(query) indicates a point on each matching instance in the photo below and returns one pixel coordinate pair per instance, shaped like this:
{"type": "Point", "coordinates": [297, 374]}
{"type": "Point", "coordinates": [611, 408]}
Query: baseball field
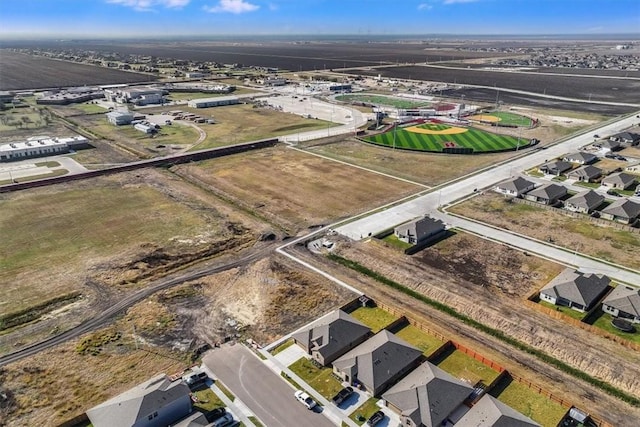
{"type": "Point", "coordinates": [442, 138]}
{"type": "Point", "coordinates": [503, 118]}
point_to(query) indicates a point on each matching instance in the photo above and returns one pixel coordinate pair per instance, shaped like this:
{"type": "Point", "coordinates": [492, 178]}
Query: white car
{"type": "Point", "coordinates": [305, 399]}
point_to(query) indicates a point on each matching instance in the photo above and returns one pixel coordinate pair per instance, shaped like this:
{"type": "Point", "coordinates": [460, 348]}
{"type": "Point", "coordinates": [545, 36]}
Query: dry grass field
{"type": "Point", "coordinates": [295, 190]}
{"type": "Point", "coordinates": [587, 237]}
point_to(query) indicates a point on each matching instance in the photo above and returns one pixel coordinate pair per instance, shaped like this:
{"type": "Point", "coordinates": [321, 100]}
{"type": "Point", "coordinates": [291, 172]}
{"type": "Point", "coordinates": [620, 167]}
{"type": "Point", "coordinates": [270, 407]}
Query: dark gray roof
{"type": "Point", "coordinates": [490, 412]}
{"type": "Point", "coordinates": [332, 332]}
{"type": "Point", "coordinates": [624, 298]}
{"type": "Point", "coordinates": [580, 156]}
{"type": "Point", "coordinates": [379, 358]}
{"type": "Point", "coordinates": [581, 288]}
{"type": "Point", "coordinates": [559, 166]}
{"type": "Point", "coordinates": [428, 395]}
{"type": "Point", "coordinates": [549, 191]}
{"type": "Point", "coordinates": [623, 208]}
{"type": "Point", "coordinates": [620, 178]}
{"type": "Point", "coordinates": [587, 199]}
{"type": "Point", "coordinates": [628, 136]}
{"type": "Point", "coordinates": [138, 402]}
{"type": "Point", "coordinates": [610, 143]}
{"type": "Point", "coordinates": [518, 184]}
{"type": "Point", "coordinates": [586, 171]}
{"type": "Point", "coordinates": [196, 419]}
{"type": "Point", "coordinates": [423, 227]}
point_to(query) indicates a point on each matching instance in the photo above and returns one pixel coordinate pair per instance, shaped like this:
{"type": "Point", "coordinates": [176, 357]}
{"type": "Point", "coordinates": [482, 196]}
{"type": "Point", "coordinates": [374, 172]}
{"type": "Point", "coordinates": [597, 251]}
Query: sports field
{"type": "Point", "coordinates": [436, 137]}
{"type": "Point", "coordinates": [383, 100]}
{"type": "Point", "coordinates": [504, 118]}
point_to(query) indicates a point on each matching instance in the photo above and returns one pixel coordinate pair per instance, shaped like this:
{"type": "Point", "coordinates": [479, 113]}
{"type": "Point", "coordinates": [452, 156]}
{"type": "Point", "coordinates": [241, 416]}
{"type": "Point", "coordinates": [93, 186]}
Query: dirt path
{"type": "Point", "coordinates": [558, 382]}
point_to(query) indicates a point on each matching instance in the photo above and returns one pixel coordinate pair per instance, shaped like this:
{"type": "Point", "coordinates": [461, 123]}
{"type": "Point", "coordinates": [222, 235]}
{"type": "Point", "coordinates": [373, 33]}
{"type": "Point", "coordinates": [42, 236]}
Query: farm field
{"type": "Point", "coordinates": [293, 189]}
{"type": "Point", "coordinates": [382, 100]}
{"type": "Point", "coordinates": [609, 244]}
{"type": "Point", "coordinates": [438, 137]}
{"type": "Point", "coordinates": [21, 71]}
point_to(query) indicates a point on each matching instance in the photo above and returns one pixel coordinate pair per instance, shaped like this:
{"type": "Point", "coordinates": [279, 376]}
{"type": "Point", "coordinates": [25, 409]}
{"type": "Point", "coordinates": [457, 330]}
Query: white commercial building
{"type": "Point", "coordinates": [135, 95]}
{"type": "Point", "coordinates": [213, 102]}
{"type": "Point", "coordinates": [39, 147]}
{"type": "Point", "coordinates": [120, 117]}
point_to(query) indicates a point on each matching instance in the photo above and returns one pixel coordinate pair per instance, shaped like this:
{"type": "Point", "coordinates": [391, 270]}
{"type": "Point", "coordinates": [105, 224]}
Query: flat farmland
{"type": "Point", "coordinates": [579, 234]}
{"type": "Point", "coordinates": [296, 190]}
{"type": "Point", "coordinates": [615, 90]}
{"type": "Point", "coordinates": [21, 71]}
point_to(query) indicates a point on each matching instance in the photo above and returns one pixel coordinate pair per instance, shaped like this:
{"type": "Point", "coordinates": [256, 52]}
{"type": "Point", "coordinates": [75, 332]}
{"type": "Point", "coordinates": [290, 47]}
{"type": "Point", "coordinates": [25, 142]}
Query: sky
{"type": "Point", "coordinates": [149, 18]}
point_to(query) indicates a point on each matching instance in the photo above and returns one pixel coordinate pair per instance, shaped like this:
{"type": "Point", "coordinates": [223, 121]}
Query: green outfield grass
{"type": "Point", "coordinates": [478, 140]}
{"type": "Point", "coordinates": [512, 119]}
{"type": "Point", "coordinates": [383, 100]}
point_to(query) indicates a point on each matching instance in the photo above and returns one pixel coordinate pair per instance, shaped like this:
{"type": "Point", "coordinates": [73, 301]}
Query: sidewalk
{"type": "Point", "coordinates": [329, 410]}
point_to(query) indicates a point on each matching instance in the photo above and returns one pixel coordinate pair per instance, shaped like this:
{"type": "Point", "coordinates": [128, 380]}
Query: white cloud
{"type": "Point", "coordinates": [232, 6]}
{"type": "Point", "coordinates": [425, 6]}
{"type": "Point", "coordinates": [148, 5]}
{"type": "Point", "coordinates": [458, 1]}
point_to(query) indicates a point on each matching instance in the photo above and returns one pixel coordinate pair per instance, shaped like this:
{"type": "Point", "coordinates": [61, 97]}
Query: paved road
{"type": "Point", "coordinates": [428, 204]}
{"type": "Point", "coordinates": [260, 389]}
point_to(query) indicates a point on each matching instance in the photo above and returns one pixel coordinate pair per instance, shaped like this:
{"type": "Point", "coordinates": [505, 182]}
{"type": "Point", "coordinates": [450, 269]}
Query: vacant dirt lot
{"type": "Point", "coordinates": [572, 233]}
{"type": "Point", "coordinates": [295, 190]}
{"type": "Point", "coordinates": [101, 237]}
{"type": "Point", "coordinates": [498, 306]}
{"type": "Point", "coordinates": [262, 301]}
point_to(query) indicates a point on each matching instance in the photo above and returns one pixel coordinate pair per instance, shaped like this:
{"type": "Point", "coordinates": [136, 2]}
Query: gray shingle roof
{"type": "Point", "coordinates": [138, 402]}
{"type": "Point", "coordinates": [379, 359]}
{"type": "Point", "coordinates": [626, 136]}
{"type": "Point", "coordinates": [624, 298]}
{"type": "Point", "coordinates": [518, 184]}
{"type": "Point", "coordinates": [331, 333]}
{"type": "Point", "coordinates": [581, 288]}
{"type": "Point", "coordinates": [580, 156]}
{"type": "Point", "coordinates": [196, 419]}
{"type": "Point", "coordinates": [619, 178]}
{"type": "Point", "coordinates": [428, 395]}
{"type": "Point", "coordinates": [556, 167]}
{"type": "Point", "coordinates": [586, 171]}
{"type": "Point", "coordinates": [623, 208]}
{"type": "Point", "coordinates": [422, 227]}
{"type": "Point", "coordinates": [490, 412]}
{"type": "Point", "coordinates": [587, 199]}
{"type": "Point", "coordinates": [549, 191]}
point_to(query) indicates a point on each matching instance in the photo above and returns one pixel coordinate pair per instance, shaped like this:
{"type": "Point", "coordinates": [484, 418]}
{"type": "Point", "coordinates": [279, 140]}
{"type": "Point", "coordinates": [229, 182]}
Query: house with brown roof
{"type": "Point", "coordinates": [622, 210]}
{"type": "Point", "coordinates": [548, 194]}
{"type": "Point", "coordinates": [378, 362]}
{"type": "Point", "coordinates": [576, 290]}
{"type": "Point", "coordinates": [624, 302]}
{"type": "Point", "coordinates": [584, 202]}
{"type": "Point", "coordinates": [331, 336]}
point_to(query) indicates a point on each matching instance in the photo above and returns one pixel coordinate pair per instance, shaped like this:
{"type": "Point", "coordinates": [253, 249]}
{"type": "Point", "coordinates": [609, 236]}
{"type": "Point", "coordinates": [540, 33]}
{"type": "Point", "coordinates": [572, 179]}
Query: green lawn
{"type": "Point", "coordinates": [588, 184]}
{"type": "Point", "coordinates": [565, 310]}
{"type": "Point", "coordinates": [207, 400]}
{"type": "Point", "coordinates": [365, 410]}
{"type": "Point", "coordinates": [374, 317]}
{"type": "Point", "coordinates": [255, 421]}
{"type": "Point", "coordinates": [225, 390]}
{"type": "Point", "coordinates": [393, 240]}
{"type": "Point", "coordinates": [282, 347]}
{"type": "Point", "coordinates": [534, 405]}
{"type": "Point", "coordinates": [90, 108]}
{"type": "Point", "coordinates": [425, 342]}
{"type": "Point", "coordinates": [602, 320]}
{"type": "Point", "coordinates": [467, 368]}
{"type": "Point", "coordinates": [479, 141]}
{"type": "Point", "coordinates": [512, 119]}
{"type": "Point", "coordinates": [320, 379]}
{"type": "Point", "coordinates": [383, 100]}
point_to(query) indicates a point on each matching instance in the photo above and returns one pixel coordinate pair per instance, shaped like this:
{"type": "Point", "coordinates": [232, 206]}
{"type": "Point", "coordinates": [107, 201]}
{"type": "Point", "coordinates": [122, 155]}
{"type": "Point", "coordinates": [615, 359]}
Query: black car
{"type": "Point", "coordinates": [375, 418]}
{"type": "Point", "coordinates": [214, 414]}
{"type": "Point", "coordinates": [342, 395]}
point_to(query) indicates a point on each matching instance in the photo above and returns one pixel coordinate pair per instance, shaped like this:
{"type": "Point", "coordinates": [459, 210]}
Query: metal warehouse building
{"type": "Point", "coordinates": [213, 102]}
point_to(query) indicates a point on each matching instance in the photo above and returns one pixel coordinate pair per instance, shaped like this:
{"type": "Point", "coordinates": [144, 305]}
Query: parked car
{"type": "Point", "coordinates": [195, 378]}
{"type": "Point", "coordinates": [342, 395]}
{"type": "Point", "coordinates": [214, 414]}
{"type": "Point", "coordinates": [223, 421]}
{"type": "Point", "coordinates": [610, 155]}
{"type": "Point", "coordinates": [305, 399]}
{"type": "Point", "coordinates": [619, 157]}
{"type": "Point", "coordinates": [375, 418]}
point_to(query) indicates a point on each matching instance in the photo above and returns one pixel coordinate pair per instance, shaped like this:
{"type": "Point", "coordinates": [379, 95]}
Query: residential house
{"type": "Point", "coordinates": [585, 173]}
{"type": "Point", "coordinates": [555, 168]}
{"type": "Point", "coordinates": [624, 302]}
{"type": "Point", "coordinates": [331, 336]}
{"type": "Point", "coordinates": [515, 187]}
{"type": "Point", "coordinates": [548, 194]}
{"type": "Point", "coordinates": [576, 290]}
{"type": "Point", "coordinates": [633, 168]}
{"type": "Point", "coordinates": [490, 412]}
{"type": "Point", "coordinates": [196, 419]}
{"type": "Point", "coordinates": [585, 202]}
{"type": "Point", "coordinates": [419, 230]}
{"type": "Point", "coordinates": [612, 145]}
{"type": "Point", "coordinates": [626, 137]}
{"type": "Point", "coordinates": [619, 180]}
{"type": "Point", "coordinates": [580, 157]}
{"type": "Point", "coordinates": [622, 210]}
{"type": "Point", "coordinates": [427, 396]}
{"type": "Point", "coordinates": [157, 402]}
{"type": "Point", "coordinates": [377, 362]}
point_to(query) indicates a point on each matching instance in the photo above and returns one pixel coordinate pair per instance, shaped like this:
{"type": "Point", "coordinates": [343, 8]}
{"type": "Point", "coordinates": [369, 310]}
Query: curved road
{"type": "Point", "coordinates": [107, 316]}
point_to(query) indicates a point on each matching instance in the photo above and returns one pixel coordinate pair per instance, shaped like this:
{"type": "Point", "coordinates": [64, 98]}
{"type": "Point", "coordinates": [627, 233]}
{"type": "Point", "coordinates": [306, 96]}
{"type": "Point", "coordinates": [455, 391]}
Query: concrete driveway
{"type": "Point", "coordinates": [262, 391]}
